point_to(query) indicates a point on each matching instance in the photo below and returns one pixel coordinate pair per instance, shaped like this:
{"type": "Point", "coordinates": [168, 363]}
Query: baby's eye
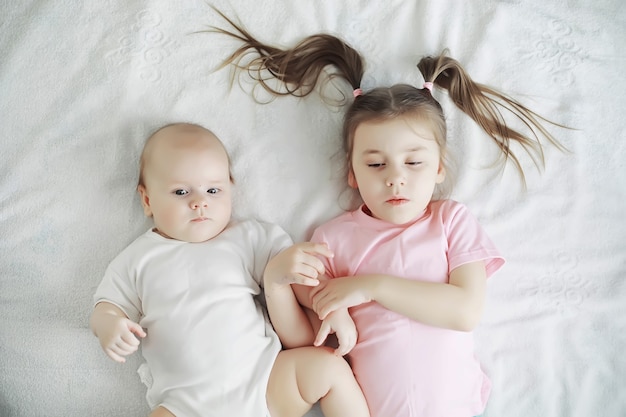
{"type": "Point", "coordinates": [181, 192]}
{"type": "Point", "coordinates": [213, 190]}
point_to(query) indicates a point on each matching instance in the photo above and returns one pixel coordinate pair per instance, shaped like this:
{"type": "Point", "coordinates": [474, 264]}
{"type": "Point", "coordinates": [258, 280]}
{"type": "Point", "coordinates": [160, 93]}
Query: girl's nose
{"type": "Point", "coordinates": [396, 181]}
{"type": "Point", "coordinates": [395, 178]}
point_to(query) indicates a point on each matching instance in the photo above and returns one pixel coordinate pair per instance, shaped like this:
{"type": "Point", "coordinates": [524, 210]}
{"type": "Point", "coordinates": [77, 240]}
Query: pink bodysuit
{"type": "Point", "coordinates": [405, 368]}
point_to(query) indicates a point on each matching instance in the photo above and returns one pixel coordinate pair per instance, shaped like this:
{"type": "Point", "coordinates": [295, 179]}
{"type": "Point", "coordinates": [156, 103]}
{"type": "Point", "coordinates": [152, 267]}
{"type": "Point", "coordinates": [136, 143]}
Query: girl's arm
{"type": "Point", "coordinates": [455, 305]}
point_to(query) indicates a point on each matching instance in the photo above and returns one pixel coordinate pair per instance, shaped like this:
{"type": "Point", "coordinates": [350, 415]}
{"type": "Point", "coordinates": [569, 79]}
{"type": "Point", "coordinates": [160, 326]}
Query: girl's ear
{"type": "Point", "coordinates": [352, 180]}
{"type": "Point", "coordinates": [441, 174]}
{"type": "Point", "coordinates": [145, 200]}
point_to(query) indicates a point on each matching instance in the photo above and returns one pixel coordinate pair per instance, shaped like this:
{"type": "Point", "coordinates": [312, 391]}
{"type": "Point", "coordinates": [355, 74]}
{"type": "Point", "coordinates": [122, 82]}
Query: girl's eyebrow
{"type": "Point", "coordinates": [417, 149]}
{"type": "Point", "coordinates": [376, 151]}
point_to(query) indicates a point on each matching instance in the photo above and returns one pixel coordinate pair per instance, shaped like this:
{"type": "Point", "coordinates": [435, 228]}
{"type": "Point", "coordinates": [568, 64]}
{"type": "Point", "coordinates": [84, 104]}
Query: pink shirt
{"type": "Point", "coordinates": [405, 368]}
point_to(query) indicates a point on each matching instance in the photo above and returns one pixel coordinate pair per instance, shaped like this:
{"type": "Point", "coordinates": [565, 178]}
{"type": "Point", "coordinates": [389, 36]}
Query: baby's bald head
{"type": "Point", "coordinates": [173, 137]}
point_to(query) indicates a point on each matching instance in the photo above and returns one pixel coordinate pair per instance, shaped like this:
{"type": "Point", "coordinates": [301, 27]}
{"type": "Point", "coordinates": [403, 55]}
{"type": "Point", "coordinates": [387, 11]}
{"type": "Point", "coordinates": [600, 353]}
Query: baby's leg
{"type": "Point", "coordinates": [301, 377]}
{"type": "Point", "coordinates": [161, 412]}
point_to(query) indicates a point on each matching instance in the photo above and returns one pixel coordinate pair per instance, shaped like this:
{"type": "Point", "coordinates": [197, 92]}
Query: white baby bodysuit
{"type": "Point", "coordinates": [209, 346]}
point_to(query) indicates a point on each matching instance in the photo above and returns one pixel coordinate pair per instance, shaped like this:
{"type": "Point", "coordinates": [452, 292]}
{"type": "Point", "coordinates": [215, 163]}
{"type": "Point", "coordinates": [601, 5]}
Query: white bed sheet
{"type": "Point", "coordinates": [83, 83]}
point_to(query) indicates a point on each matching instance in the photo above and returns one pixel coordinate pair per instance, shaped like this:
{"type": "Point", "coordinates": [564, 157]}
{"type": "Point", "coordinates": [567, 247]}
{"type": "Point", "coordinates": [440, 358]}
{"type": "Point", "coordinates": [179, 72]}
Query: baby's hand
{"type": "Point", "coordinates": [297, 265]}
{"type": "Point", "coordinates": [118, 336]}
{"type": "Point", "coordinates": [340, 323]}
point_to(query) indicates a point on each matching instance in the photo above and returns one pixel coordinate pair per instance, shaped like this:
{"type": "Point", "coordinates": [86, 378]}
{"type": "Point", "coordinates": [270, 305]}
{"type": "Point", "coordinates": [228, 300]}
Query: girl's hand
{"type": "Point", "coordinates": [339, 293]}
{"type": "Point", "coordinates": [298, 264]}
{"type": "Point", "coordinates": [340, 323]}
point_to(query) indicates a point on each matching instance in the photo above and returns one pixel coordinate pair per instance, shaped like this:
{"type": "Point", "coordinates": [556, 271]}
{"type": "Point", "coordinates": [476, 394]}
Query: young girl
{"type": "Point", "coordinates": [412, 269]}
{"type": "Point", "coordinates": [192, 282]}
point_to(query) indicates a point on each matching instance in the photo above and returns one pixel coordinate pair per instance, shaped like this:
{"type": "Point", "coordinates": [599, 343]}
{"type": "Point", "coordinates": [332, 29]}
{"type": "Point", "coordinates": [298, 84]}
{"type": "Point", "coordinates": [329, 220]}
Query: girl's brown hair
{"type": "Point", "coordinates": [299, 70]}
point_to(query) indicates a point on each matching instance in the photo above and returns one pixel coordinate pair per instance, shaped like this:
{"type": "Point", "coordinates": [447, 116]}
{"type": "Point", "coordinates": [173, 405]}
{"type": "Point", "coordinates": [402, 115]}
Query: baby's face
{"type": "Point", "coordinates": [187, 185]}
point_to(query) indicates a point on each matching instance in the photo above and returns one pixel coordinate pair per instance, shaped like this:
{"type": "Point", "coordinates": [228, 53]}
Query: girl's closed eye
{"type": "Point", "coordinates": [414, 163]}
{"type": "Point", "coordinates": [376, 164]}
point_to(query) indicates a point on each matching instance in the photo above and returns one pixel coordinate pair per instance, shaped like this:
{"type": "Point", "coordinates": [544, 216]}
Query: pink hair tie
{"type": "Point", "coordinates": [429, 86]}
{"type": "Point", "coordinates": [357, 92]}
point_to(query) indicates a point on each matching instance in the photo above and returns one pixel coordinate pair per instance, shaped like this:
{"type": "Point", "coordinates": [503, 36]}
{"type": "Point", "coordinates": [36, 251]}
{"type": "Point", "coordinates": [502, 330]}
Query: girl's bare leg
{"type": "Point", "coordinates": [303, 376]}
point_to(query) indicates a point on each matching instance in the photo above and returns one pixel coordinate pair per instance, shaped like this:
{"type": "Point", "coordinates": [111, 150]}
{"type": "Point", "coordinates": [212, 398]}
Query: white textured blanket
{"type": "Point", "coordinates": [83, 83]}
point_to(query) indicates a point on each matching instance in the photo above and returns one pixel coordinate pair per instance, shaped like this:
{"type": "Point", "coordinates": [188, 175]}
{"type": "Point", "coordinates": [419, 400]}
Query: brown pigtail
{"type": "Point", "coordinates": [298, 71]}
{"type": "Point", "coordinates": [298, 68]}
{"type": "Point", "coordinates": [484, 105]}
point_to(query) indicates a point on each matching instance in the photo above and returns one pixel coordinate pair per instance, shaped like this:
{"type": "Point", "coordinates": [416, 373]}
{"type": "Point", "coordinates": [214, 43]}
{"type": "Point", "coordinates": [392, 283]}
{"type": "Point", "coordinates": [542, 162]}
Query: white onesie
{"type": "Point", "coordinates": [209, 346]}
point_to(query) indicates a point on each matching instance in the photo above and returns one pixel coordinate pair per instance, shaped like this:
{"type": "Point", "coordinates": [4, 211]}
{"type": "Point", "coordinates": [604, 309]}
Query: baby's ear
{"type": "Point", "coordinates": [145, 200]}
{"type": "Point", "coordinates": [352, 180]}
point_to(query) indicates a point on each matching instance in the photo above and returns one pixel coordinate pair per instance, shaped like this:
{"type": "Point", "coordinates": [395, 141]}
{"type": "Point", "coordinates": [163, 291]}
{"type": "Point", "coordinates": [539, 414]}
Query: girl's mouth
{"type": "Point", "coordinates": [397, 201]}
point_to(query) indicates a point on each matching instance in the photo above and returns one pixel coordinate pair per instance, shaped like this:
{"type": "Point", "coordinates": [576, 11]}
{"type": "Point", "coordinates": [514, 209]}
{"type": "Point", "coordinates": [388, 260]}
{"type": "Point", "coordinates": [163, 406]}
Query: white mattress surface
{"type": "Point", "coordinates": [83, 83]}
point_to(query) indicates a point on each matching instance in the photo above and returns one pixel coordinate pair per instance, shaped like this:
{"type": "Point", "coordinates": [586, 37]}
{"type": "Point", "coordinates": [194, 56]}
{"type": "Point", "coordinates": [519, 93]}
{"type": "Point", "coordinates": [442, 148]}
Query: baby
{"type": "Point", "coordinates": [193, 281]}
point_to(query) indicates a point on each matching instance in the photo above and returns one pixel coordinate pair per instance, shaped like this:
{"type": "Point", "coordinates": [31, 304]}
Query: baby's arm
{"type": "Point", "coordinates": [297, 264]}
{"type": "Point", "coordinates": [115, 331]}
{"type": "Point", "coordinates": [455, 305]}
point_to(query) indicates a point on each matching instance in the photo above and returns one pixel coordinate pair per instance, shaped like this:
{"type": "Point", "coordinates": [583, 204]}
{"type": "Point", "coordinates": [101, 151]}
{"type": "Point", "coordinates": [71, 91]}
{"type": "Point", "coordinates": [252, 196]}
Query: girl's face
{"type": "Point", "coordinates": [396, 164]}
